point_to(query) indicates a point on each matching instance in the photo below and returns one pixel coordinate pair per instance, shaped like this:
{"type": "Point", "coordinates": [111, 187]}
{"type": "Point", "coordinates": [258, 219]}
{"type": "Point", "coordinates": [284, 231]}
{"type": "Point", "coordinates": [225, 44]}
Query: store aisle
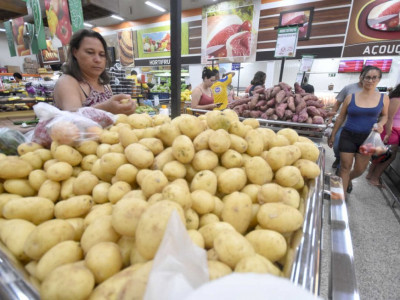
{"type": "Point", "coordinates": [375, 232]}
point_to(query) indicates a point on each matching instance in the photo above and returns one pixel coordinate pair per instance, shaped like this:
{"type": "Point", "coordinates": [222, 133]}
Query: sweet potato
{"type": "Point", "coordinates": [315, 103]}
{"type": "Point", "coordinates": [288, 114]}
{"type": "Point", "coordinates": [280, 110]}
{"type": "Point", "coordinates": [254, 99]}
{"type": "Point", "coordinates": [273, 117]}
{"type": "Point", "coordinates": [297, 88]}
{"type": "Point", "coordinates": [264, 116]}
{"type": "Point", "coordinates": [302, 115]}
{"type": "Point", "coordinates": [271, 102]}
{"type": "Point", "coordinates": [238, 102]}
{"type": "Point", "coordinates": [285, 86]}
{"type": "Point", "coordinates": [275, 90]}
{"type": "Point", "coordinates": [291, 104]}
{"type": "Point", "coordinates": [270, 111]}
{"type": "Point", "coordinates": [255, 114]}
{"type": "Point", "coordinates": [259, 89]}
{"type": "Point", "coordinates": [310, 97]}
{"type": "Point", "coordinates": [263, 108]}
{"type": "Point", "coordinates": [280, 96]}
{"type": "Point", "coordinates": [295, 118]}
{"type": "Point", "coordinates": [246, 113]}
{"type": "Point", "coordinates": [317, 120]}
{"type": "Point", "coordinates": [312, 111]}
{"type": "Point", "coordinates": [261, 96]}
{"type": "Point", "coordinates": [302, 105]}
{"type": "Point", "coordinates": [261, 103]}
{"type": "Point", "coordinates": [322, 112]}
{"type": "Point", "coordinates": [267, 93]}
{"type": "Point", "coordinates": [297, 99]}
{"type": "Point", "coordinates": [309, 120]}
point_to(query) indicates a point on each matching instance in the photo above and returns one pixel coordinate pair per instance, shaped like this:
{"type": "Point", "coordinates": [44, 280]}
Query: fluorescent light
{"type": "Point", "coordinates": [87, 24]}
{"type": "Point", "coordinates": [155, 6]}
{"type": "Point", "coordinates": [117, 17]}
{"type": "Point", "coordinates": [2, 29]}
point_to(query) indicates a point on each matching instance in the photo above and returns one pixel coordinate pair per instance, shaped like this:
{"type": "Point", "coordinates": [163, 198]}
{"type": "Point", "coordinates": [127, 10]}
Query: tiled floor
{"type": "Point", "coordinates": [375, 232]}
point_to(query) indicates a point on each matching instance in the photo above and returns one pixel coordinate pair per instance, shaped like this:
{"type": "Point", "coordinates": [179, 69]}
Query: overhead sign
{"type": "Point", "coordinates": [306, 63]}
{"type": "Point", "coordinates": [286, 42]}
{"type": "Point", "coordinates": [160, 62]}
{"type": "Point", "coordinates": [10, 38]}
{"type": "Point", "coordinates": [235, 66]}
{"type": "Point", "coordinates": [76, 14]}
{"type": "Point", "coordinates": [34, 8]}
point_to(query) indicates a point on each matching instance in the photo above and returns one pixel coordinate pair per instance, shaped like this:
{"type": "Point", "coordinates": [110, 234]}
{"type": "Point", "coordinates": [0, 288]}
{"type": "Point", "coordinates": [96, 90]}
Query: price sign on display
{"type": "Point", "coordinates": [286, 42]}
{"type": "Point", "coordinates": [306, 63]}
{"type": "Point", "coordinates": [235, 66]}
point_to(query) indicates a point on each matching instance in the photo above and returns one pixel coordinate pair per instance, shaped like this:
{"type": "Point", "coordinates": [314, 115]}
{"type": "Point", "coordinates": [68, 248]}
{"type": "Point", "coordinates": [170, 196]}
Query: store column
{"type": "Point", "coordinates": [176, 12]}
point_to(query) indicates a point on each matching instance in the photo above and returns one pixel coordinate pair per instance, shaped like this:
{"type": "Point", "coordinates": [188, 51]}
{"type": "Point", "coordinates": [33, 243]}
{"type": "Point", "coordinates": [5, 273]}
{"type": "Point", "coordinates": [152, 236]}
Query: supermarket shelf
{"type": "Point", "coordinates": [23, 75]}
{"type": "Point", "coordinates": [17, 113]}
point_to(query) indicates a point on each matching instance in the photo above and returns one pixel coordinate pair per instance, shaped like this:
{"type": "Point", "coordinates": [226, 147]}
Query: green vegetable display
{"type": "Point", "coordinates": [10, 139]}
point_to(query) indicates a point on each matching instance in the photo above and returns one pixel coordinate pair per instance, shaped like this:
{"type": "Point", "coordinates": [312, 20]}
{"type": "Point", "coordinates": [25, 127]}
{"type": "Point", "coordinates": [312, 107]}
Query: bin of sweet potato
{"type": "Point", "coordinates": [86, 219]}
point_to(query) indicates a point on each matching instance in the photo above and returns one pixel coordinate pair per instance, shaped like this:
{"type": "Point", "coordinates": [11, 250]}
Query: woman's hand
{"type": "Point", "coordinates": [120, 104]}
{"type": "Point", "coordinates": [331, 140]}
{"type": "Point", "coordinates": [378, 128]}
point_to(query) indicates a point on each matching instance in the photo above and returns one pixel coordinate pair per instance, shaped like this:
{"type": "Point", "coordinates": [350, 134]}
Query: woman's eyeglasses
{"type": "Point", "coordinates": [373, 78]}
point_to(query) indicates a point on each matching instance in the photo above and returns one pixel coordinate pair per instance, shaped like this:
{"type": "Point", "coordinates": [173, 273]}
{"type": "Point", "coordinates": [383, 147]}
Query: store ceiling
{"type": "Point", "coordinates": [98, 12]}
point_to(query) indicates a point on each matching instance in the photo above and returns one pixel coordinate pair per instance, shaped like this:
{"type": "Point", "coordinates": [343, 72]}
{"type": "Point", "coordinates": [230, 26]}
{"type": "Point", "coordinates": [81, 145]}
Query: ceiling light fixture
{"type": "Point", "coordinates": [87, 24]}
{"type": "Point", "coordinates": [2, 29]}
{"type": "Point", "coordinates": [155, 6]}
{"type": "Point", "coordinates": [117, 17]}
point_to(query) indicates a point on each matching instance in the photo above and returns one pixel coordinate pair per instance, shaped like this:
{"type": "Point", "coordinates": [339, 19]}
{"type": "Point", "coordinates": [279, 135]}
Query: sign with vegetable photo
{"type": "Point", "coordinates": [57, 12]}
{"type": "Point", "coordinates": [231, 30]}
{"type": "Point", "coordinates": [21, 41]}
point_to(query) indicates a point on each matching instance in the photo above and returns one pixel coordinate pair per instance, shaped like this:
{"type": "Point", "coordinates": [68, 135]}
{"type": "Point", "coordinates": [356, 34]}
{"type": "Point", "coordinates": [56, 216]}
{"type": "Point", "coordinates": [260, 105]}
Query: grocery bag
{"type": "Point", "coordinates": [373, 145]}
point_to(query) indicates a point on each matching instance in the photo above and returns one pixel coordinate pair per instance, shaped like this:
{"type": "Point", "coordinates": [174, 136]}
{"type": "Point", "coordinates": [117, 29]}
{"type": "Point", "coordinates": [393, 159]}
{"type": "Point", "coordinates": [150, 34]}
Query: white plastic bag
{"type": "Point", "coordinates": [179, 266]}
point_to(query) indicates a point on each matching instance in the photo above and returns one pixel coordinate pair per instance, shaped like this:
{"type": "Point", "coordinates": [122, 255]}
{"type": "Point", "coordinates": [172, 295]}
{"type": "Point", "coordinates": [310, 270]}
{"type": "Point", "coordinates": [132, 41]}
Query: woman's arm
{"type": "Point", "coordinates": [67, 93]}
{"type": "Point", "coordinates": [384, 114]}
{"type": "Point", "coordinates": [196, 95]}
{"type": "Point", "coordinates": [339, 120]}
{"type": "Point", "coordinates": [394, 106]}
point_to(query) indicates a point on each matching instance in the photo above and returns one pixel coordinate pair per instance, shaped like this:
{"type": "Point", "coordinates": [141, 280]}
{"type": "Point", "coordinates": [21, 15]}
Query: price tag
{"type": "Point", "coordinates": [40, 98]}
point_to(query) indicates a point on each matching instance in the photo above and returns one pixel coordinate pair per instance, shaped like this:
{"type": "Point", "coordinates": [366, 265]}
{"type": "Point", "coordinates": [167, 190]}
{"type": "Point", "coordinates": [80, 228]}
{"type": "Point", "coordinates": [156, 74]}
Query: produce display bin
{"type": "Point", "coordinates": [160, 95]}
{"type": "Point", "coordinates": [306, 267]}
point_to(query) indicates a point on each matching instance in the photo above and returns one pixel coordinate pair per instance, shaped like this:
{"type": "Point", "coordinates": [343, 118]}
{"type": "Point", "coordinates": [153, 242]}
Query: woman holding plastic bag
{"type": "Point", "coordinates": [85, 80]}
{"type": "Point", "coordinates": [362, 111]}
{"type": "Point", "coordinates": [390, 135]}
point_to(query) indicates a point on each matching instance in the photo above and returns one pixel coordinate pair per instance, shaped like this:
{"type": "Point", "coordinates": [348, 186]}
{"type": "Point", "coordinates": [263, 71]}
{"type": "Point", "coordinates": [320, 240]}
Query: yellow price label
{"type": "Point", "coordinates": [6, 92]}
{"type": "Point", "coordinates": [14, 98]}
{"type": "Point", "coordinates": [40, 98]}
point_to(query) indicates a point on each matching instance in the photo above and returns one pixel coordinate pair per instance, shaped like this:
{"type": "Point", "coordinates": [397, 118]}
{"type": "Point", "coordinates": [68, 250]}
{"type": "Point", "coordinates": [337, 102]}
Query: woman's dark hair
{"type": "Point", "coordinates": [207, 73]}
{"type": "Point", "coordinates": [366, 69]}
{"type": "Point", "coordinates": [133, 72]}
{"type": "Point", "coordinates": [17, 75]}
{"type": "Point", "coordinates": [71, 67]}
{"type": "Point", "coordinates": [395, 93]}
{"type": "Point", "coordinates": [259, 78]}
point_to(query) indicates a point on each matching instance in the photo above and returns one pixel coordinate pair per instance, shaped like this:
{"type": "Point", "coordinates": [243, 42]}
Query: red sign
{"type": "Point", "coordinates": [351, 66]}
{"type": "Point", "coordinates": [383, 64]}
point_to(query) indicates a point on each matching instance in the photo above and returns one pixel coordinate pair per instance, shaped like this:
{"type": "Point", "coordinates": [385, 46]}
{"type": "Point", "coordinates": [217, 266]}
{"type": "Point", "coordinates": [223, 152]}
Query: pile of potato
{"type": "Point", "coordinates": [86, 221]}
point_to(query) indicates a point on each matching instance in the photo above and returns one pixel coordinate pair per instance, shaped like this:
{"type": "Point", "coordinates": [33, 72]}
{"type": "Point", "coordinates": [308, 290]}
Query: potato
{"type": "Point", "coordinates": [102, 268]}
{"type": "Point", "coordinates": [155, 145]}
{"type": "Point", "coordinates": [103, 149]}
{"type": "Point", "coordinates": [183, 149]}
{"type": "Point", "coordinates": [160, 119]}
{"type": "Point", "coordinates": [231, 247]}
{"type": "Point", "coordinates": [290, 134]}
{"type": "Point", "coordinates": [268, 135]}
{"type": "Point", "coordinates": [59, 171]}
{"type": "Point", "coordinates": [205, 160]}
{"type": "Point", "coordinates": [68, 154]}
{"type": "Point", "coordinates": [100, 230]}
{"type": "Point", "coordinates": [110, 162]}
{"type": "Point", "coordinates": [258, 171]}
{"type": "Point", "coordinates": [168, 132]}
{"type": "Point", "coordinates": [67, 188]}
{"type": "Point", "coordinates": [152, 224]}
{"type": "Point", "coordinates": [19, 187]}
{"type": "Point", "coordinates": [212, 255]}
{"type": "Point", "coordinates": [70, 281]}
{"type": "Point", "coordinates": [252, 191]}
{"type": "Point", "coordinates": [84, 183]}
{"type": "Point", "coordinates": [268, 243]}
{"type": "Point", "coordinates": [252, 122]}
{"type": "Point", "coordinates": [96, 212]}
{"type": "Point", "coordinates": [308, 169]}
{"type": "Point", "coordinates": [135, 194]}
{"type": "Point", "coordinates": [87, 147]}
{"type": "Point", "coordinates": [288, 176]}
{"type": "Point", "coordinates": [50, 189]}
{"type": "Point", "coordinates": [218, 170]}
{"type": "Point", "coordinates": [117, 190]}
{"type": "Point", "coordinates": [139, 120]}
{"type": "Point", "coordinates": [201, 141]}
{"type": "Point", "coordinates": [109, 137]}
{"type": "Point", "coordinates": [79, 227]}
{"type": "Point", "coordinates": [196, 237]}
{"type": "Point", "coordinates": [202, 202]}
{"type": "Point", "coordinates": [190, 126]}
{"type": "Point", "coordinates": [279, 141]}
{"type": "Point", "coordinates": [231, 159]}
{"type": "Point", "coordinates": [238, 143]}
{"type": "Point", "coordinates": [279, 217]}
{"type": "Point", "coordinates": [33, 209]}
{"type": "Point", "coordinates": [218, 207]}
{"type": "Point", "coordinates": [256, 264]}
{"type": "Point", "coordinates": [237, 211]}
{"type": "Point", "coordinates": [33, 159]}
{"type": "Point", "coordinates": [204, 180]}
{"type": "Point", "coordinates": [270, 192]}
{"type": "Point", "coordinates": [36, 178]}
{"type": "Point", "coordinates": [46, 235]}
{"type": "Point", "coordinates": [217, 269]}
{"type": "Point", "coordinates": [153, 183]}
{"type": "Point", "coordinates": [208, 218]}
{"type": "Point", "coordinates": [125, 244]}
{"type": "Point", "coordinates": [231, 180]}
{"type": "Point", "coordinates": [291, 197]}
{"type": "Point", "coordinates": [142, 174]}
{"type": "Point", "coordinates": [4, 198]}
{"type": "Point", "coordinates": [174, 170]}
{"type": "Point", "coordinates": [127, 136]}
{"type": "Point", "coordinates": [308, 150]}
{"type": "Point", "coordinates": [192, 219]}
{"type": "Point", "coordinates": [239, 129]}
{"type": "Point", "coordinates": [278, 157]}
{"type": "Point", "coordinates": [31, 269]}
{"type": "Point", "coordinates": [14, 167]}
{"type": "Point", "coordinates": [303, 139]}
{"type": "Point", "coordinates": [218, 120]}
{"type": "Point", "coordinates": [28, 147]}
{"type": "Point", "coordinates": [299, 185]}
{"type": "Point", "coordinates": [255, 142]}
{"type": "Point", "coordinates": [14, 234]}
{"type": "Point", "coordinates": [210, 232]}
{"type": "Point", "coordinates": [219, 141]}
{"type": "Point", "coordinates": [126, 214]}
{"type": "Point", "coordinates": [61, 254]}
{"type": "Point", "coordinates": [139, 155]}
{"type": "Point", "coordinates": [73, 207]}
{"type": "Point", "coordinates": [48, 163]}
{"type": "Point", "coordinates": [178, 193]}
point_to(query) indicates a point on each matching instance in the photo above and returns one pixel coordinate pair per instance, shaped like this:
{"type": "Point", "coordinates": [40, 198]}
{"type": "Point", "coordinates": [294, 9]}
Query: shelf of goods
{"type": "Point", "coordinates": [306, 266]}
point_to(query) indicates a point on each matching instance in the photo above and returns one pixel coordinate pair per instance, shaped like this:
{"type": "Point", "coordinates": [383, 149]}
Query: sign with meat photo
{"type": "Point", "coordinates": [297, 17]}
{"type": "Point", "coordinates": [374, 29]}
{"type": "Point", "coordinates": [231, 31]}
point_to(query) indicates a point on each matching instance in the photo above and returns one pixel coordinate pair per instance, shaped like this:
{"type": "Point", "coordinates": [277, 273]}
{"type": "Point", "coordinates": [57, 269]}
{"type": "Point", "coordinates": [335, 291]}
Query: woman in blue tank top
{"type": "Point", "coordinates": [362, 110]}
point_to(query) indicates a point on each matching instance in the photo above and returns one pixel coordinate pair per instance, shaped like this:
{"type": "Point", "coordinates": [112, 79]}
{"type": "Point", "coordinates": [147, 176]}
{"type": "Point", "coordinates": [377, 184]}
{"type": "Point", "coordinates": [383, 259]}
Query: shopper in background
{"type": "Point", "coordinates": [308, 88]}
{"type": "Point", "coordinates": [220, 87]}
{"type": "Point", "coordinates": [390, 135]}
{"type": "Point", "coordinates": [362, 111]}
{"type": "Point", "coordinates": [259, 79]}
{"type": "Point", "coordinates": [202, 97]}
{"type": "Point", "coordinates": [18, 77]}
{"type": "Point", "coordinates": [85, 81]}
